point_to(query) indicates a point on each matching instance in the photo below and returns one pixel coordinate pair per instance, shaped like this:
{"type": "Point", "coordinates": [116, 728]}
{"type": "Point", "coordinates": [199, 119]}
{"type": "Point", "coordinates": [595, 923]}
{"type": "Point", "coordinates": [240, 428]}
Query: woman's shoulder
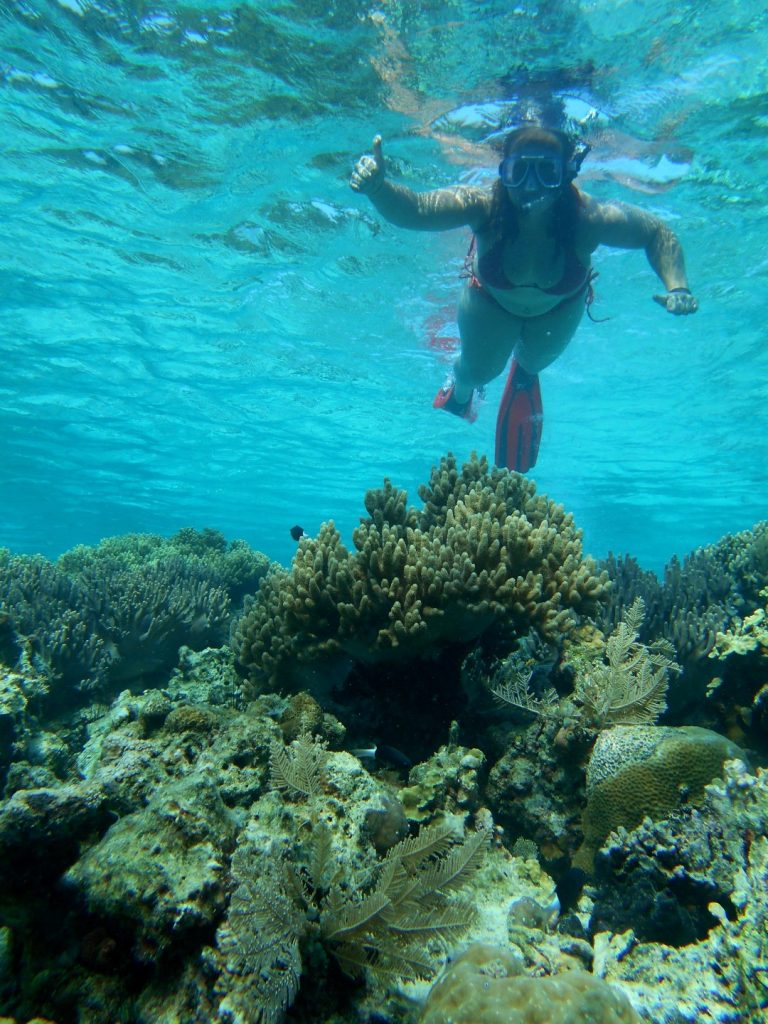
{"type": "Point", "coordinates": [598, 212]}
{"type": "Point", "coordinates": [588, 209]}
{"type": "Point", "coordinates": [593, 216]}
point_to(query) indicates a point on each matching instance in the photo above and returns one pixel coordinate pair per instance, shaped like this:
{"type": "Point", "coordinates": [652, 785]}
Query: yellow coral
{"type": "Point", "coordinates": [486, 550]}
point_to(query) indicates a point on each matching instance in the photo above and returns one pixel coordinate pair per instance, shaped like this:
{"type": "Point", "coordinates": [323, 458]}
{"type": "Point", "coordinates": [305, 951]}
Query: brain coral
{"type": "Point", "coordinates": [485, 551]}
{"type": "Point", "coordinates": [638, 771]}
{"type": "Point", "coordinates": [485, 984]}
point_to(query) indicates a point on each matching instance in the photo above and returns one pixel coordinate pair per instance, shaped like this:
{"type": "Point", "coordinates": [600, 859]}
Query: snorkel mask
{"type": "Point", "coordinates": [540, 172]}
{"type": "Point", "coordinates": [525, 169]}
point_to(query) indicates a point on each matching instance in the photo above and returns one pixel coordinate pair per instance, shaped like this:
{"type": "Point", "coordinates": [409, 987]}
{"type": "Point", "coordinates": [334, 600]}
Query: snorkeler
{"type": "Point", "coordinates": [528, 270]}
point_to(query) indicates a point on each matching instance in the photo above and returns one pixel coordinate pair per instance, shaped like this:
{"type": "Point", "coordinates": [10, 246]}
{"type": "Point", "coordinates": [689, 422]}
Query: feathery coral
{"type": "Point", "coordinates": [629, 686]}
{"type": "Point", "coordinates": [283, 908]}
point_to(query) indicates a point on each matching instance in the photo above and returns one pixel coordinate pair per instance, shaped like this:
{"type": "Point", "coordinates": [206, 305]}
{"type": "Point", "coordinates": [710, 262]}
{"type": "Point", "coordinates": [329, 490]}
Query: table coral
{"type": "Point", "coordinates": [486, 551]}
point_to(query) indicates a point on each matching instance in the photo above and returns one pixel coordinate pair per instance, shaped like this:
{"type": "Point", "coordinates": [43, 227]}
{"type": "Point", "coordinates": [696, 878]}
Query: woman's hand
{"type": "Point", "coordinates": [368, 175]}
{"type": "Point", "coordinates": [678, 301]}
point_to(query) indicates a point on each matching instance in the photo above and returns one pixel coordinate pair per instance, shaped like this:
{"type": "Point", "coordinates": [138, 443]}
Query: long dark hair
{"type": "Point", "coordinates": [505, 218]}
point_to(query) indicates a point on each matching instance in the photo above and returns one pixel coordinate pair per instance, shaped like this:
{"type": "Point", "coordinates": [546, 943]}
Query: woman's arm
{"type": "Point", "coordinates": [438, 210]}
{"type": "Point", "coordinates": [628, 227]}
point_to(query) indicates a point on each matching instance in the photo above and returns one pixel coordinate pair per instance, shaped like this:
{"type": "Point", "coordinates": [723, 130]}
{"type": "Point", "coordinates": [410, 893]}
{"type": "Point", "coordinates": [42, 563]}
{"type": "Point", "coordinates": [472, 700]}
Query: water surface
{"type": "Point", "coordinates": [203, 325]}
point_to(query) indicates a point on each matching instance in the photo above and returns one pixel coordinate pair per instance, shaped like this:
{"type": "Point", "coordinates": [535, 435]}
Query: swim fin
{"type": "Point", "coordinates": [518, 425]}
{"type": "Point", "coordinates": [445, 399]}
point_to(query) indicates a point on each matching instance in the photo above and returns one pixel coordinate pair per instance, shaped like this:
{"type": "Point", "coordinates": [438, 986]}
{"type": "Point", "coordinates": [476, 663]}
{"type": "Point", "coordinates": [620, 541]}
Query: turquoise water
{"type": "Point", "coordinates": [203, 325]}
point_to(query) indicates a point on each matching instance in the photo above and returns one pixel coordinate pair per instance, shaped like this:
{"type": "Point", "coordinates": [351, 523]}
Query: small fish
{"type": "Point", "coordinates": [385, 754]}
{"type": "Point", "coordinates": [297, 532]}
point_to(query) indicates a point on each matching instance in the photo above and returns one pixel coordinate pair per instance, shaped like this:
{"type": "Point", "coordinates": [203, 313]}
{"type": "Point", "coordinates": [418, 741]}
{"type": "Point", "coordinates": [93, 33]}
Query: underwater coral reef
{"type": "Point", "coordinates": [459, 773]}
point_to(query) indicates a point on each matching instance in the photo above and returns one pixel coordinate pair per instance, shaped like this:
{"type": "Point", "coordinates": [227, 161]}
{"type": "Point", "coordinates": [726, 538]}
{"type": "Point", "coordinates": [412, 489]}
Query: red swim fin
{"type": "Point", "coordinates": [518, 425]}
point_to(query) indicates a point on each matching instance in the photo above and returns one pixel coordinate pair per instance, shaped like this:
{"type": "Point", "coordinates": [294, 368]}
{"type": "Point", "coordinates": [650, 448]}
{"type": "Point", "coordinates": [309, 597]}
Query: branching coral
{"type": "Point", "coordinates": [47, 611]}
{"type": "Point", "coordinates": [146, 613]}
{"type": "Point", "coordinates": [485, 552]}
{"type": "Point", "coordinates": [699, 596]}
{"type": "Point", "coordinates": [233, 566]}
{"type": "Point", "coordinates": [103, 616]}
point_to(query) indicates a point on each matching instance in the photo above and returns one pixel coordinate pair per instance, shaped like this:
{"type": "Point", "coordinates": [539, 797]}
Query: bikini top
{"type": "Point", "coordinates": [491, 271]}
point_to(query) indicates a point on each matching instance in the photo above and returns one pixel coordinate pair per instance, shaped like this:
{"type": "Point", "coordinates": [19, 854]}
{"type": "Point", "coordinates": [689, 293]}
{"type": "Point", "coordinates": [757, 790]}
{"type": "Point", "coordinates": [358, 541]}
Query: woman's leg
{"type": "Point", "coordinates": [544, 338]}
{"type": "Point", "coordinates": [488, 335]}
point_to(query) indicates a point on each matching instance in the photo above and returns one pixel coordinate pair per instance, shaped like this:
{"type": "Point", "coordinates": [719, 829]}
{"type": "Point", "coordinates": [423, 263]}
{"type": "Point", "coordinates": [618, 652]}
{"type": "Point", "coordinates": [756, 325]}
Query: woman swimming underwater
{"type": "Point", "coordinates": [529, 270]}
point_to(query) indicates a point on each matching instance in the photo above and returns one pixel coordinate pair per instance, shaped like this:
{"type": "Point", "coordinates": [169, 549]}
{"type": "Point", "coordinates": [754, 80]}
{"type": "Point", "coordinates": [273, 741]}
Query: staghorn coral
{"type": "Point", "coordinates": [486, 553]}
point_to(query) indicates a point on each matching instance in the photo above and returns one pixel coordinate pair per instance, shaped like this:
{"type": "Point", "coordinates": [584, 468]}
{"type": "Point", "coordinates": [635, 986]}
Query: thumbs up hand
{"type": "Point", "coordinates": [368, 174]}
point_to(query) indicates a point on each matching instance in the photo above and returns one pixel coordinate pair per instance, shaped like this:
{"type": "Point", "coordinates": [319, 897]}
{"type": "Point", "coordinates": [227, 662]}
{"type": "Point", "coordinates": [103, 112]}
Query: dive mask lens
{"type": "Point", "coordinates": [515, 169]}
{"type": "Point", "coordinates": [549, 171]}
